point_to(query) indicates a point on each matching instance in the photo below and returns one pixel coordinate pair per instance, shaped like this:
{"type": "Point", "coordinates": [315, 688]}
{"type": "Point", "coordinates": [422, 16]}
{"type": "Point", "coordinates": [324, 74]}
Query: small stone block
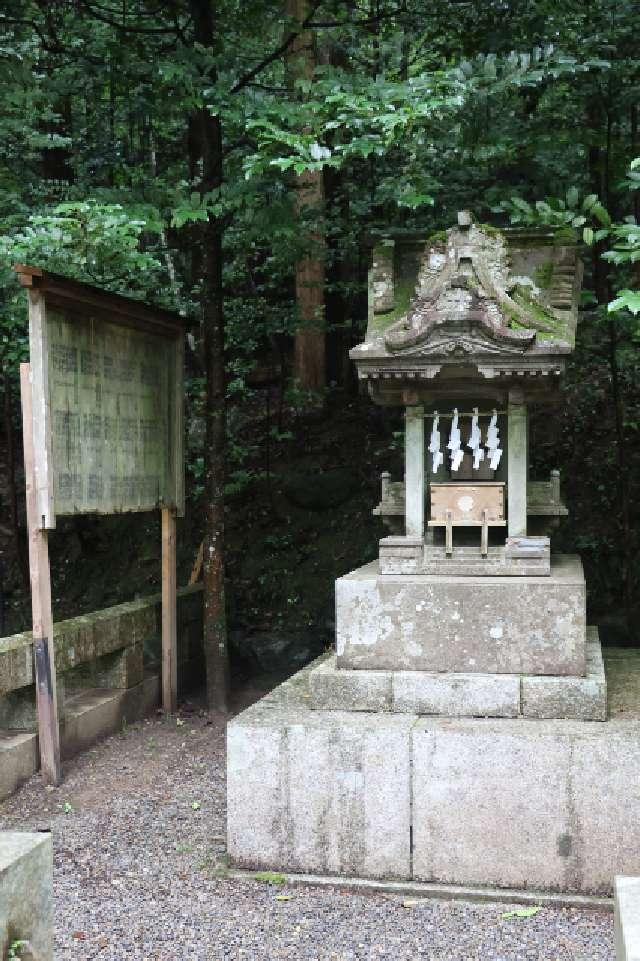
{"type": "Point", "coordinates": [456, 695]}
{"type": "Point", "coordinates": [577, 698]}
{"type": "Point", "coordinates": [523, 547]}
{"type": "Point", "coordinates": [626, 893]}
{"type": "Point", "coordinates": [335, 690]}
{"type": "Point", "coordinates": [401, 555]}
{"type": "Point", "coordinates": [26, 893]}
{"type": "Point", "coordinates": [19, 759]}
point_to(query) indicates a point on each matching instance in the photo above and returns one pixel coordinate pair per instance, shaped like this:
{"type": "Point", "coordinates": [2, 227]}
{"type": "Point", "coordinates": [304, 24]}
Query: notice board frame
{"type": "Point", "coordinates": [82, 303]}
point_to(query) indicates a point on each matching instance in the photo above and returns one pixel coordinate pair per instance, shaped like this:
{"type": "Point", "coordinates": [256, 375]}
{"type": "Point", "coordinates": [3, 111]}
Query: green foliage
{"type": "Point", "coordinates": [559, 212]}
{"type": "Point", "coordinates": [16, 949]}
{"type": "Point", "coordinates": [521, 913]}
{"type": "Point", "coordinates": [409, 118]}
{"type": "Point", "coordinates": [271, 877]}
{"type": "Point", "coordinates": [88, 240]}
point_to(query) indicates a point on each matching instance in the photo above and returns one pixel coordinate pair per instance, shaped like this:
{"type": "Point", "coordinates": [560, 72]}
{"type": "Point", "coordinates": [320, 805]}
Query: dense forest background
{"type": "Point", "coordinates": [229, 160]}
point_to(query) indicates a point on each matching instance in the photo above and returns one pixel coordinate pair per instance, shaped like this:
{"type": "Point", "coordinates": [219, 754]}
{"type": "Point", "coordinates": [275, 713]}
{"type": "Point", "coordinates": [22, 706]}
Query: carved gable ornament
{"type": "Point", "coordinates": [473, 295]}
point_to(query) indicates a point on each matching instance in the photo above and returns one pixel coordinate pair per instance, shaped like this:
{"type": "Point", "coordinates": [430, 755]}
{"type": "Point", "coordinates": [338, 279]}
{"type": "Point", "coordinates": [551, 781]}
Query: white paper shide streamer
{"type": "Point", "coordinates": [434, 444]}
{"type": "Point", "coordinates": [475, 441]}
{"type": "Point", "coordinates": [454, 442]}
{"type": "Point", "coordinates": [493, 442]}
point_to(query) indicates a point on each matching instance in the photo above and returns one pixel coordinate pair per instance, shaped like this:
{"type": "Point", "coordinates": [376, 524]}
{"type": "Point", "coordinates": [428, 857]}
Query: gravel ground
{"type": "Point", "coordinates": [138, 829]}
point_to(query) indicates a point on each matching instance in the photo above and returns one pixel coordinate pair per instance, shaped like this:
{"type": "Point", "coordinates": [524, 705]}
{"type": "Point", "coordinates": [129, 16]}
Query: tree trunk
{"type": "Point", "coordinates": [215, 624]}
{"type": "Point", "coordinates": [19, 537]}
{"type": "Point", "coordinates": [309, 355]}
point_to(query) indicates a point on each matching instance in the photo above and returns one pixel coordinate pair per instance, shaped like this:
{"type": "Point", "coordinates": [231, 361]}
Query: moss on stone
{"type": "Point", "coordinates": [556, 329]}
{"type": "Point", "coordinates": [404, 292]}
{"type": "Point", "coordinates": [565, 236]}
{"type": "Point", "coordinates": [543, 275]}
{"type": "Point", "coordinates": [490, 230]}
{"type": "Point", "coordinates": [437, 239]}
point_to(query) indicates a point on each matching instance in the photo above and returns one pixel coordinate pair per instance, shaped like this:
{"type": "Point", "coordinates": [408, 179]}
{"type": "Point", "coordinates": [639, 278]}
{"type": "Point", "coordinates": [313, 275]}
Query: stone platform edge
{"type": "Point", "coordinates": [627, 918]}
{"type": "Point", "coordinates": [333, 688]}
{"type": "Point", "coordinates": [26, 893]}
{"type": "Point", "coordinates": [423, 891]}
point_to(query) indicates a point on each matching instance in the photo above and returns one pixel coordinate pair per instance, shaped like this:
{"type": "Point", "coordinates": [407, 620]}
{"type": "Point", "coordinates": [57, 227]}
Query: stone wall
{"type": "Point", "coordinates": [108, 671]}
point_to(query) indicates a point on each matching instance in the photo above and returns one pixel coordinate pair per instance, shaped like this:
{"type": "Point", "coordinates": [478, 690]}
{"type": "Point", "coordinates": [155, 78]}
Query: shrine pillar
{"type": "Point", "coordinates": [414, 471]}
{"type": "Point", "coordinates": [517, 464]}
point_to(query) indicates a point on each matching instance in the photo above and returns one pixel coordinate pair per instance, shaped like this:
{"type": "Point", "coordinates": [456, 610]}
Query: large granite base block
{"type": "Point", "coordinates": [333, 688]}
{"type": "Point", "coordinates": [324, 793]}
{"type": "Point", "coordinates": [26, 893]}
{"type": "Point", "coordinates": [521, 803]}
{"type": "Point", "coordinates": [488, 625]}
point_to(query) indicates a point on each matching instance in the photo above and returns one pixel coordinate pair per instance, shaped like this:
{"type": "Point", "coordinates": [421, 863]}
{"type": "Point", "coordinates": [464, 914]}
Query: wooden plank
{"type": "Point", "coordinates": [123, 310]}
{"type": "Point", "coordinates": [196, 570]}
{"type": "Point", "coordinates": [43, 647]}
{"type": "Point", "coordinates": [39, 394]}
{"type": "Point", "coordinates": [442, 522]}
{"type": "Point", "coordinates": [467, 502]}
{"type": "Point", "coordinates": [178, 427]}
{"type": "Point", "coordinates": [169, 613]}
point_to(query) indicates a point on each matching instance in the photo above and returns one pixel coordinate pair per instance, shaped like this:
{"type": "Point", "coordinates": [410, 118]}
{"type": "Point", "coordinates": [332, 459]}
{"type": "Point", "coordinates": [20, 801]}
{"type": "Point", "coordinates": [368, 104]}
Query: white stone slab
{"type": "Point", "coordinates": [603, 792]}
{"type": "Point", "coordinates": [26, 893]}
{"type": "Point", "coordinates": [626, 892]}
{"type": "Point", "coordinates": [332, 689]}
{"type": "Point", "coordinates": [323, 792]}
{"type": "Point", "coordinates": [456, 695]}
{"type": "Point", "coordinates": [489, 625]}
{"type": "Point", "coordinates": [413, 692]}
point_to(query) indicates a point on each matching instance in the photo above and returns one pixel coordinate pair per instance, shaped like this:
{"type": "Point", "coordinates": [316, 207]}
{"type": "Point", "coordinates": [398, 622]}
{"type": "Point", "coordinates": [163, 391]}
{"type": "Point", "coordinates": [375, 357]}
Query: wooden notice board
{"type": "Point", "coordinates": [107, 391]}
{"type": "Point", "coordinates": [103, 398]}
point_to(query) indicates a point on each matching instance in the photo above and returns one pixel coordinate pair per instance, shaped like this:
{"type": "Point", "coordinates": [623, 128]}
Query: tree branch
{"type": "Point", "coordinates": [358, 22]}
{"type": "Point", "coordinates": [103, 18]}
{"type": "Point", "coordinates": [280, 50]}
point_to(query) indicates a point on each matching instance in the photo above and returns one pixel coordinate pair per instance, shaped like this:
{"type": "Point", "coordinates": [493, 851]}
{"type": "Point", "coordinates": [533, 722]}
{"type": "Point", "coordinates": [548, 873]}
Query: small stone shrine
{"type": "Point", "coordinates": [466, 583]}
{"type": "Point", "coordinates": [456, 735]}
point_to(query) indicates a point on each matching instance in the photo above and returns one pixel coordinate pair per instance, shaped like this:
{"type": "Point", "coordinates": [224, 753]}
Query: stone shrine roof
{"type": "Point", "coordinates": [503, 302]}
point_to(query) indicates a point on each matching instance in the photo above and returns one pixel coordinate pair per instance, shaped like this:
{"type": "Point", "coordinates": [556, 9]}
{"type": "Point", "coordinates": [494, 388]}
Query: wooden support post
{"type": "Point", "coordinates": [517, 456]}
{"type": "Point", "coordinates": [414, 471]}
{"type": "Point", "coordinates": [43, 649]}
{"type": "Point", "coordinates": [448, 534]}
{"type": "Point", "coordinates": [169, 613]}
{"type": "Point", "coordinates": [484, 537]}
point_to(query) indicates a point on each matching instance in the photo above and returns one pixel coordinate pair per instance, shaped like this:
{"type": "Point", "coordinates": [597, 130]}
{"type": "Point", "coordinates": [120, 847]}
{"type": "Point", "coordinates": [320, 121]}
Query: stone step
{"type": "Point", "coordinates": [89, 715]}
{"type": "Point", "coordinates": [464, 695]}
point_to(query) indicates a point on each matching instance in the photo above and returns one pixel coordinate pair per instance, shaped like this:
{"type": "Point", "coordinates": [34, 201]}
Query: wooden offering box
{"type": "Point", "coordinates": [467, 505]}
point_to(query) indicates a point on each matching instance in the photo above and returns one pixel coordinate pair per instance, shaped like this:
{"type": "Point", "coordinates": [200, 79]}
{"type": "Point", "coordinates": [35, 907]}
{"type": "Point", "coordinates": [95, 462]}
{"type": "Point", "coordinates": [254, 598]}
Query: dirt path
{"type": "Point", "coordinates": [138, 830]}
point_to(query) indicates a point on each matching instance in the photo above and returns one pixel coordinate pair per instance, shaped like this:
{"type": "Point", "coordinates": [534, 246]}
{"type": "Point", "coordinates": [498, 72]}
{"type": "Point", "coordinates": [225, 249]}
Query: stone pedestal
{"type": "Point", "coordinates": [470, 624]}
{"type": "Point", "coordinates": [550, 805]}
{"type": "Point", "coordinates": [451, 694]}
